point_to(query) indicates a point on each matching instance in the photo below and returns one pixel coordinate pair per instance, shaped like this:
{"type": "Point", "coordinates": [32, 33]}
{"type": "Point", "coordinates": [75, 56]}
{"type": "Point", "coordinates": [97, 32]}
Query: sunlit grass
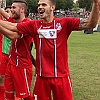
{"type": "Point", "coordinates": [84, 65]}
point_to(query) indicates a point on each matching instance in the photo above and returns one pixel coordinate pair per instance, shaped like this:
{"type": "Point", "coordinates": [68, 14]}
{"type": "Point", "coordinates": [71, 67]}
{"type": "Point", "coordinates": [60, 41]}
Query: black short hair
{"type": "Point", "coordinates": [20, 1]}
{"type": "Point", "coordinates": [7, 7]}
{"type": "Point", "coordinates": [23, 3]}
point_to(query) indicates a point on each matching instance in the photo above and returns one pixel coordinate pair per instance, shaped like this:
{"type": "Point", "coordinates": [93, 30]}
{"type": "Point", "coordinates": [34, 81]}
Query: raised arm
{"type": "Point", "coordinates": [92, 20]}
{"type": "Point", "coordinates": [4, 14]}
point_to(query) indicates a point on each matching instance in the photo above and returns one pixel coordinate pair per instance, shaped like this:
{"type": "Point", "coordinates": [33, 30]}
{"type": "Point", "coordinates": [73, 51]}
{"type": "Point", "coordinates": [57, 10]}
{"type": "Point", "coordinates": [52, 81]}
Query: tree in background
{"type": "Point", "coordinates": [75, 7]}
{"type": "Point", "coordinates": [60, 4]}
{"type": "Point", "coordinates": [9, 2]}
{"type": "Point", "coordinates": [32, 5]}
{"type": "Point", "coordinates": [87, 4]}
{"type": "Point", "coordinates": [64, 4]}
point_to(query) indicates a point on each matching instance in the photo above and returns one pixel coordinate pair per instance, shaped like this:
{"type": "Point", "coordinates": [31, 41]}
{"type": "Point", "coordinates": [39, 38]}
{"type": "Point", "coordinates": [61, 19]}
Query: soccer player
{"type": "Point", "coordinates": [50, 35]}
{"type": "Point", "coordinates": [18, 74]}
{"type": "Point", "coordinates": [0, 47]}
{"type": "Point", "coordinates": [6, 43]}
{"type": "Point", "coordinates": [1, 87]}
{"type": "Point", "coordinates": [0, 43]}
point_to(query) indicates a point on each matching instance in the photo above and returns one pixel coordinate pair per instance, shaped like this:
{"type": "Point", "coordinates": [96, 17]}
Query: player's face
{"type": "Point", "coordinates": [8, 10]}
{"type": "Point", "coordinates": [44, 9]}
{"type": "Point", "coordinates": [15, 9]}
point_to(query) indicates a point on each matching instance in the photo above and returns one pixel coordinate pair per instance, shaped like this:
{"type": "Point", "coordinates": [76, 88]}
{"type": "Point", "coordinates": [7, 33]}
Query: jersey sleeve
{"type": "Point", "coordinates": [26, 27]}
{"type": "Point", "coordinates": [10, 19]}
{"type": "Point", "coordinates": [73, 23]}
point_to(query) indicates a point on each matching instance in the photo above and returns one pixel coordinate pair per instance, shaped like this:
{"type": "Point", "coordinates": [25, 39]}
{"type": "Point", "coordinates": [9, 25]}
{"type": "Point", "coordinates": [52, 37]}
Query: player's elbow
{"type": "Point", "coordinates": [93, 23]}
{"type": "Point", "coordinates": [14, 35]}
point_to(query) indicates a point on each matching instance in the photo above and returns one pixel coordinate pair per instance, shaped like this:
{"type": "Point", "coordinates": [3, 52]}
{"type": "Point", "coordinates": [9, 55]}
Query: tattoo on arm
{"type": "Point", "coordinates": [83, 23]}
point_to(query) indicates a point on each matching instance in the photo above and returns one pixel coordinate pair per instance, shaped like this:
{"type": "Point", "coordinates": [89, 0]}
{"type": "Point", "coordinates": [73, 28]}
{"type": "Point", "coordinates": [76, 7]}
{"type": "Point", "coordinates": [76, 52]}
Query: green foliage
{"type": "Point", "coordinates": [9, 2]}
{"type": "Point", "coordinates": [64, 4]}
{"type": "Point", "coordinates": [75, 7]}
{"type": "Point", "coordinates": [61, 4]}
{"type": "Point", "coordinates": [32, 5]}
{"type": "Point", "coordinates": [87, 4]}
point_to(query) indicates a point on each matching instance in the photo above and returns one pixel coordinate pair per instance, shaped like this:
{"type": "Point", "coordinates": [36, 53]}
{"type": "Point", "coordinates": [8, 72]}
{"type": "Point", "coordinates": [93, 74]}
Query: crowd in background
{"type": "Point", "coordinates": [64, 14]}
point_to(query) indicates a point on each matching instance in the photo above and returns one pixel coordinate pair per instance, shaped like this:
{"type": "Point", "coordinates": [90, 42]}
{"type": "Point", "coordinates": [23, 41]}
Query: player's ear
{"type": "Point", "coordinates": [53, 7]}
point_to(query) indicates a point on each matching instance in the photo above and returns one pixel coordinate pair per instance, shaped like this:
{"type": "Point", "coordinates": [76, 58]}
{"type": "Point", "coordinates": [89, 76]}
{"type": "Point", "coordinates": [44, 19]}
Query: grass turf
{"type": "Point", "coordinates": [84, 65]}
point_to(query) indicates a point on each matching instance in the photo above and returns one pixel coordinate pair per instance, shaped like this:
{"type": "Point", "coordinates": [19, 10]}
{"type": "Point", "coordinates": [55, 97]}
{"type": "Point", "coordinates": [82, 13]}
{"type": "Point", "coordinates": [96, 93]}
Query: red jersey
{"type": "Point", "coordinates": [51, 54]}
{"type": "Point", "coordinates": [0, 43]}
{"type": "Point", "coordinates": [0, 47]}
{"type": "Point", "coordinates": [20, 50]}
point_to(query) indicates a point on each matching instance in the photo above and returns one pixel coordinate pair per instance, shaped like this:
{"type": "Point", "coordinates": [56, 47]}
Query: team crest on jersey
{"type": "Point", "coordinates": [58, 26]}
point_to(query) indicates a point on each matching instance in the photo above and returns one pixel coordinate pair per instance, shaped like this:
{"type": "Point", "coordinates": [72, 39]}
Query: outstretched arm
{"type": "Point", "coordinates": [8, 25]}
{"type": "Point", "coordinates": [92, 20]}
{"type": "Point", "coordinates": [8, 33]}
{"type": "Point", "coordinates": [9, 29]}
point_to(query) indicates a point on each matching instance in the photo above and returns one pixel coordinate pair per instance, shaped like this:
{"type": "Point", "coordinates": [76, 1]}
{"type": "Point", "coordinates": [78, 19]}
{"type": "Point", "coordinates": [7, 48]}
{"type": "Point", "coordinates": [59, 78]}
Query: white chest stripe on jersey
{"type": "Point", "coordinates": [16, 52]}
{"type": "Point", "coordinates": [40, 57]}
{"type": "Point", "coordinates": [45, 33]}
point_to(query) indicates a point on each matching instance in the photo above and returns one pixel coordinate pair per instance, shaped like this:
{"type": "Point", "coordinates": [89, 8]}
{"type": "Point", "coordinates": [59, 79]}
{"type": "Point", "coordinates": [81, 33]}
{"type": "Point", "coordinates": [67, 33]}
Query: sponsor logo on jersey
{"type": "Point", "coordinates": [47, 33]}
{"type": "Point", "coordinates": [22, 93]}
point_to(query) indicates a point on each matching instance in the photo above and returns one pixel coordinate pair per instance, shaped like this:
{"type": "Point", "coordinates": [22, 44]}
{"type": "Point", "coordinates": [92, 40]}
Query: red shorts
{"type": "Point", "coordinates": [4, 63]}
{"type": "Point", "coordinates": [19, 80]}
{"type": "Point", "coordinates": [61, 88]}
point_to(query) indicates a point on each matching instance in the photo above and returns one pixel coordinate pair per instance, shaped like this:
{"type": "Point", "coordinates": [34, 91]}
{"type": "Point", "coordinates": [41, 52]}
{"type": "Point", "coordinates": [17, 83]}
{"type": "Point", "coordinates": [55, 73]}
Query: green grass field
{"type": "Point", "coordinates": [84, 65]}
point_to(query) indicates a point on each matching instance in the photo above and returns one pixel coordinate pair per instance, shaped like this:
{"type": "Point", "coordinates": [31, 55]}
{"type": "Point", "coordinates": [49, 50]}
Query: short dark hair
{"type": "Point", "coordinates": [7, 7]}
{"type": "Point", "coordinates": [23, 4]}
{"type": "Point", "coordinates": [53, 2]}
{"type": "Point", "coordinates": [20, 1]}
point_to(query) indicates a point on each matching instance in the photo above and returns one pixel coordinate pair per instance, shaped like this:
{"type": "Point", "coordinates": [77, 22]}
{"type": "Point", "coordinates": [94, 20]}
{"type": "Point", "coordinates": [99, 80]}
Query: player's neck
{"type": "Point", "coordinates": [48, 19]}
{"type": "Point", "coordinates": [20, 19]}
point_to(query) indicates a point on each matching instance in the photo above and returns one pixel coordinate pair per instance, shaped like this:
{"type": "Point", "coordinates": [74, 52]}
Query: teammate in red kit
{"type": "Point", "coordinates": [6, 43]}
{"type": "Point", "coordinates": [0, 47]}
{"type": "Point", "coordinates": [50, 37]}
{"type": "Point", "coordinates": [18, 74]}
{"type": "Point", "coordinates": [1, 87]}
{"type": "Point", "coordinates": [0, 43]}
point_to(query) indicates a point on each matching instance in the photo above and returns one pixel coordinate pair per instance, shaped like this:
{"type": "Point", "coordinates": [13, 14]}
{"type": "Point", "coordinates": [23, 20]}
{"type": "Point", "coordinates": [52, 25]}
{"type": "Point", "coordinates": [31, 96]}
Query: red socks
{"type": "Point", "coordinates": [2, 91]}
